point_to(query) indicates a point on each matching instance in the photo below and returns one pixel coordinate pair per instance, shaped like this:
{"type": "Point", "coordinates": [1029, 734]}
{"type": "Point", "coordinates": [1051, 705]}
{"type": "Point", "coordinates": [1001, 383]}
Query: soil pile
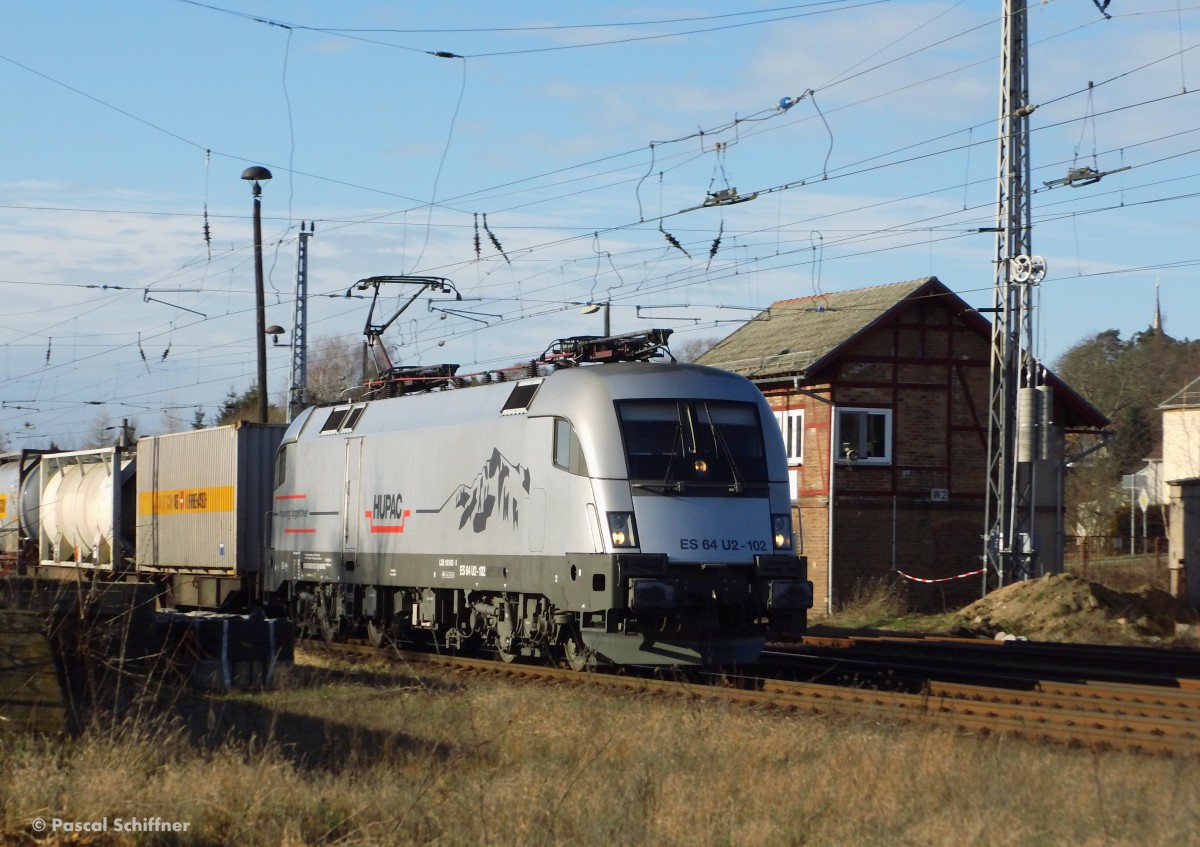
{"type": "Point", "coordinates": [1068, 608]}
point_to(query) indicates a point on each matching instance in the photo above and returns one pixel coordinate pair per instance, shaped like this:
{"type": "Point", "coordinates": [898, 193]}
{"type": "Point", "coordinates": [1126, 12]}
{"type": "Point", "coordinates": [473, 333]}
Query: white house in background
{"type": "Point", "coordinates": [1181, 435]}
{"type": "Point", "coordinates": [1181, 474]}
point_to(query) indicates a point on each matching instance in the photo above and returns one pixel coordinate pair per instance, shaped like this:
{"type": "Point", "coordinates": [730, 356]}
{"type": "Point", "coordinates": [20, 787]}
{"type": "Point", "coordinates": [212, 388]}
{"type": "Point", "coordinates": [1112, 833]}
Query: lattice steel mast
{"type": "Point", "coordinates": [298, 381]}
{"type": "Point", "coordinates": [1009, 552]}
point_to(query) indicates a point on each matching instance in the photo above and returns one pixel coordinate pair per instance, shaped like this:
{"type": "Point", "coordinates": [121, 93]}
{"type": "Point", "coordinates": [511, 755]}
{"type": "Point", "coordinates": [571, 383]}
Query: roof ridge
{"type": "Point", "coordinates": [914, 282]}
{"type": "Point", "coordinates": [1180, 398]}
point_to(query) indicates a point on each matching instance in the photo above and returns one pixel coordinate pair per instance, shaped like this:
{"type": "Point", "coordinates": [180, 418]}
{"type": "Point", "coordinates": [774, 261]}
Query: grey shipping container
{"type": "Point", "coordinates": [203, 498]}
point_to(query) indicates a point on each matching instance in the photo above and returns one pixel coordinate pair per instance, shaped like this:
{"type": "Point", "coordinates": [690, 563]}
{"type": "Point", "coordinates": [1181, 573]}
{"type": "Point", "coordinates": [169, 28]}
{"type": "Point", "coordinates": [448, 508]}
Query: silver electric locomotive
{"type": "Point", "coordinates": [633, 512]}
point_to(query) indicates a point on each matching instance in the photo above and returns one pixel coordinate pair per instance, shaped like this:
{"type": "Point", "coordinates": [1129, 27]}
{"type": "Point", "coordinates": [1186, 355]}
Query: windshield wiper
{"type": "Point", "coordinates": [719, 440]}
{"type": "Point", "coordinates": [677, 449]}
{"type": "Point", "coordinates": [663, 487]}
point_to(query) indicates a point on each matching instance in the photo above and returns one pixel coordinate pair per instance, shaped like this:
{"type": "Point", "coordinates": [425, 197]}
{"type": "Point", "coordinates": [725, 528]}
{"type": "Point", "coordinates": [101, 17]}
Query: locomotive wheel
{"type": "Point", "coordinates": [311, 618]}
{"type": "Point", "coordinates": [578, 656]}
{"type": "Point", "coordinates": [327, 628]}
{"type": "Point", "coordinates": [506, 656]}
{"type": "Point", "coordinates": [322, 613]}
{"type": "Point", "coordinates": [376, 633]}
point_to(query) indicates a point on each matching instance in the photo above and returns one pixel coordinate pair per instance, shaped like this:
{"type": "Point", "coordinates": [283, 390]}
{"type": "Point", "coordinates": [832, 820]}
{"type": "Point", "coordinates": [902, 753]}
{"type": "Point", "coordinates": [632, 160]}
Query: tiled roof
{"type": "Point", "coordinates": [799, 337]}
{"type": "Point", "coordinates": [793, 335]}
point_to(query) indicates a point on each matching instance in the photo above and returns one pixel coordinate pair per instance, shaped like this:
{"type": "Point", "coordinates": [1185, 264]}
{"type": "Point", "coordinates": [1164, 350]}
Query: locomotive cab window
{"type": "Point", "coordinates": [693, 446]}
{"type": "Point", "coordinates": [568, 454]}
{"type": "Point", "coordinates": [281, 466]}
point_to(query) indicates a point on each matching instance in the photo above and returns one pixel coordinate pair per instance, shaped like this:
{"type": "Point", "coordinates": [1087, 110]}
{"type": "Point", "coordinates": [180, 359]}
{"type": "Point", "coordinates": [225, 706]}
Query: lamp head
{"type": "Point", "coordinates": [257, 173]}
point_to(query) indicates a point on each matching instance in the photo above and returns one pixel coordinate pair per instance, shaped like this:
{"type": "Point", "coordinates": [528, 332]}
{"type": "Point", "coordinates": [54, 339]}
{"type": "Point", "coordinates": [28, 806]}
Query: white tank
{"type": "Point", "coordinates": [28, 507]}
{"type": "Point", "coordinates": [81, 507]}
{"type": "Point", "coordinates": [10, 491]}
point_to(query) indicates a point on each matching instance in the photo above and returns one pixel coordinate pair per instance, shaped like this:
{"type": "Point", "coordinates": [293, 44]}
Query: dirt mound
{"type": "Point", "coordinates": [1071, 609]}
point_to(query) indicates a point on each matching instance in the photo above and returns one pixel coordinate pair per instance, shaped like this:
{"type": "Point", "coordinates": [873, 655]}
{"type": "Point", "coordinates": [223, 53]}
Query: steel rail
{"type": "Point", "coordinates": [1105, 716]}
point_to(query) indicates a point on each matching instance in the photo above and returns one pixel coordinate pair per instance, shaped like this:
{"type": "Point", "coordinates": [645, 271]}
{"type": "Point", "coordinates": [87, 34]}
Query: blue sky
{"type": "Point", "coordinates": [582, 133]}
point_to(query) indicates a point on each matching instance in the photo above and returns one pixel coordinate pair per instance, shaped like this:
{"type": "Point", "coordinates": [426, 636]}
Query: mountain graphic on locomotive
{"type": "Point", "coordinates": [600, 508]}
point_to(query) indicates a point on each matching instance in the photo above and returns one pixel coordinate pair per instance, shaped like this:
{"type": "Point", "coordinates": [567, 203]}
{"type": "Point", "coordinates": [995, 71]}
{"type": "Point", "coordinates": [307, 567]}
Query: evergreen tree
{"type": "Point", "coordinates": [1126, 380]}
{"type": "Point", "coordinates": [239, 407]}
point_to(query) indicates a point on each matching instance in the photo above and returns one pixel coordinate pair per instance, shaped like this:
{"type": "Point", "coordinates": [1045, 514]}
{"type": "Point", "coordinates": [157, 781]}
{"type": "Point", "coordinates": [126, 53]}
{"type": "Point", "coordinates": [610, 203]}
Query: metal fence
{"type": "Point", "coordinates": [1112, 560]}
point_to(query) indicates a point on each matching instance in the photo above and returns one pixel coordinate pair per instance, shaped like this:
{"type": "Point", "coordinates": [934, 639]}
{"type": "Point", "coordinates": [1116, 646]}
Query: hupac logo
{"type": "Point", "coordinates": [385, 510]}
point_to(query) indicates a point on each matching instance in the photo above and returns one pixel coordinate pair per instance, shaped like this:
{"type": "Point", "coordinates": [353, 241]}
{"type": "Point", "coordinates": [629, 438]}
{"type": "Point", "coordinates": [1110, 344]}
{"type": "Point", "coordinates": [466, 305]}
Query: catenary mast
{"type": "Point", "coordinates": [298, 375]}
{"type": "Point", "coordinates": [1009, 549]}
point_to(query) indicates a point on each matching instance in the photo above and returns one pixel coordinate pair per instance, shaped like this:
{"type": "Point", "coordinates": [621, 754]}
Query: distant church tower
{"type": "Point", "coordinates": [1157, 326]}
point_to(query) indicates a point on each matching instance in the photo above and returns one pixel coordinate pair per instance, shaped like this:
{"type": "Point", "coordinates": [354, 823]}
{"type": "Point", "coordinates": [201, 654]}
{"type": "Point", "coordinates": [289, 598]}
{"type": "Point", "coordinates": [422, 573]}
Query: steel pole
{"type": "Point", "coordinates": [260, 307]}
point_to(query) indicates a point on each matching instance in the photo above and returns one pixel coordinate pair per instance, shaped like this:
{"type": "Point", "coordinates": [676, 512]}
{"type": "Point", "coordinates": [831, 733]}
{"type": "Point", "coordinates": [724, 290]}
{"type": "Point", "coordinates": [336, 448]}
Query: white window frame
{"type": "Point", "coordinates": [857, 454]}
{"type": "Point", "coordinates": [791, 426]}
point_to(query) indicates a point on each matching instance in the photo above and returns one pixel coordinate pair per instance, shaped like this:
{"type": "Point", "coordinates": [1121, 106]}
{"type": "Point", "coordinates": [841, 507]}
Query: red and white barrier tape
{"type": "Point", "coordinates": [943, 579]}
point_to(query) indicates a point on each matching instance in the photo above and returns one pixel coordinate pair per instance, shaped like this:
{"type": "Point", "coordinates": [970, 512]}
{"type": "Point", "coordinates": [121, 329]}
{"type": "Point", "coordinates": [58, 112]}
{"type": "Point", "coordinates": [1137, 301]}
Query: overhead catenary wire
{"type": "Point", "coordinates": [357, 34]}
{"type": "Point", "coordinates": [615, 255]}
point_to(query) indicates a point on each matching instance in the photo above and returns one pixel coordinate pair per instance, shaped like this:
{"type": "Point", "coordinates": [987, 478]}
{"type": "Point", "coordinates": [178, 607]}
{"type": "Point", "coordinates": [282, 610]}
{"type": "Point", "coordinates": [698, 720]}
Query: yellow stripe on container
{"type": "Point", "coordinates": [186, 501]}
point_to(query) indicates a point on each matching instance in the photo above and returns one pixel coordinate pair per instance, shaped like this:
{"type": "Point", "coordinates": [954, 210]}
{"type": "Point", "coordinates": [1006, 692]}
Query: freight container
{"type": "Point", "coordinates": [203, 502]}
{"type": "Point", "coordinates": [84, 509]}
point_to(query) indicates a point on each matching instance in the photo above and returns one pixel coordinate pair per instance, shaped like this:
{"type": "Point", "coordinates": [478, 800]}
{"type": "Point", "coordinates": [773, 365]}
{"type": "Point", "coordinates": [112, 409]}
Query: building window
{"type": "Point", "coordinates": [864, 436]}
{"type": "Point", "coordinates": [791, 424]}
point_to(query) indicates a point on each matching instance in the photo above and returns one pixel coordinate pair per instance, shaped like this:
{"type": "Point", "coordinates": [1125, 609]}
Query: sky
{"type": "Point", "coordinates": [542, 157]}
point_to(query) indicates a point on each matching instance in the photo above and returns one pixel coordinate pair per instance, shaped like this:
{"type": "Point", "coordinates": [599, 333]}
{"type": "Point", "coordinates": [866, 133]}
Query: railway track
{"type": "Point", "coordinates": [1108, 717]}
{"type": "Point", "coordinates": [947, 657]}
{"type": "Point", "coordinates": [1094, 713]}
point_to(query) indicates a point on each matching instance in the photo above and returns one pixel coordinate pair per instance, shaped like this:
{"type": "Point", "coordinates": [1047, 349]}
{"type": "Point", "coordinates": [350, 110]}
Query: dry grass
{"type": "Point", "coordinates": [881, 604]}
{"type": "Point", "coordinates": [367, 756]}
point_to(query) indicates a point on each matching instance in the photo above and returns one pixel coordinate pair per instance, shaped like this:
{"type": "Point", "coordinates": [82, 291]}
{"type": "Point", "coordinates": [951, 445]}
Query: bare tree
{"type": "Point", "coordinates": [169, 422]}
{"type": "Point", "coordinates": [103, 433]}
{"type": "Point", "coordinates": [334, 366]}
{"type": "Point", "coordinates": [100, 433]}
{"type": "Point", "coordinates": [694, 348]}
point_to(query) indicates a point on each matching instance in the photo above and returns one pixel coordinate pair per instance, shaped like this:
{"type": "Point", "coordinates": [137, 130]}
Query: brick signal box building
{"type": "Point", "coordinates": [882, 394]}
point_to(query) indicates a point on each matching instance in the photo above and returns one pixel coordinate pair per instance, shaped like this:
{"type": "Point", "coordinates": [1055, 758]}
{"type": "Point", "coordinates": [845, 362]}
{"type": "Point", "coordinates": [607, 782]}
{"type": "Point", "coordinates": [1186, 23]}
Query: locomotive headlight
{"type": "Point", "coordinates": [621, 529]}
{"type": "Point", "coordinates": [781, 531]}
{"type": "Point", "coordinates": [653, 595]}
{"type": "Point", "coordinates": [789, 595]}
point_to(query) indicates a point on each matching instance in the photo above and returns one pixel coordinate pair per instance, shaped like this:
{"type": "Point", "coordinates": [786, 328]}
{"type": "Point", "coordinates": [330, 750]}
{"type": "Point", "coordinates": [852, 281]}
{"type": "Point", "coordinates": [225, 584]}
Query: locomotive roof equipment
{"type": "Point", "coordinates": [373, 331]}
{"type": "Point", "coordinates": [590, 349]}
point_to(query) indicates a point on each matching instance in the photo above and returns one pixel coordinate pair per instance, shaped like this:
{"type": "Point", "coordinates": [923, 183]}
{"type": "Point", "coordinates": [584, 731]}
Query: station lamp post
{"type": "Point", "coordinates": [592, 308]}
{"type": "Point", "coordinates": [256, 174]}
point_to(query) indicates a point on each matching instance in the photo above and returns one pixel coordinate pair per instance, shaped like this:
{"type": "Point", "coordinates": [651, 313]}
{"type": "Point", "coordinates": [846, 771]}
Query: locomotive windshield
{"type": "Point", "coordinates": [698, 446]}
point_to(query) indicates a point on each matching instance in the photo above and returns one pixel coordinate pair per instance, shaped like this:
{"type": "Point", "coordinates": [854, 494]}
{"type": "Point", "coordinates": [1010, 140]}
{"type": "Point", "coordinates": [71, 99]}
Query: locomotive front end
{"type": "Point", "coordinates": [691, 488]}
